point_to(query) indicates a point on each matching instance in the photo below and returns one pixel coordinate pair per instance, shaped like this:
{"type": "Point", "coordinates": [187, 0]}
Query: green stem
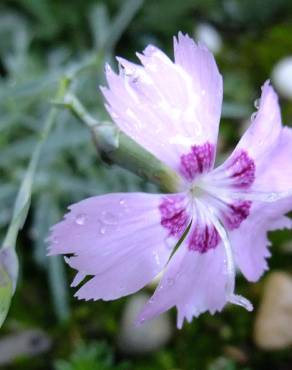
{"type": "Point", "coordinates": [23, 199]}
{"type": "Point", "coordinates": [114, 146]}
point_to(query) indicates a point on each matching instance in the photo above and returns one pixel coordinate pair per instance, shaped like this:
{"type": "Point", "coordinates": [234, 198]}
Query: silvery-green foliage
{"type": "Point", "coordinates": [64, 166]}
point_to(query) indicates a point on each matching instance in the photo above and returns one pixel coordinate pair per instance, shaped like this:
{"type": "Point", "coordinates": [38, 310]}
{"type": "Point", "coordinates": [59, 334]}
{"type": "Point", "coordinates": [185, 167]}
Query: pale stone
{"type": "Point", "coordinates": [26, 343]}
{"type": "Point", "coordinates": [282, 77]}
{"type": "Point", "coordinates": [273, 324]}
{"type": "Point", "coordinates": [150, 336]}
{"type": "Point", "coordinates": [209, 36]}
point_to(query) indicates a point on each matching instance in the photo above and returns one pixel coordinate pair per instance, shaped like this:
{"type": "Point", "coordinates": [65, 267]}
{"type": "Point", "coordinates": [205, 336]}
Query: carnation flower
{"type": "Point", "coordinates": [217, 220]}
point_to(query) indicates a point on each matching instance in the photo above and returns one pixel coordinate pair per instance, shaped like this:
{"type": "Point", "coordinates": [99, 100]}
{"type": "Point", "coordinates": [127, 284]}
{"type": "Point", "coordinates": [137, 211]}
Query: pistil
{"type": "Point", "coordinates": [230, 266]}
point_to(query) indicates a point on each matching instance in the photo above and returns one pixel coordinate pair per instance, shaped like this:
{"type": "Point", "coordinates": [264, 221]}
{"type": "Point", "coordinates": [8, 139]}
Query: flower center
{"type": "Point", "coordinates": [208, 190]}
{"type": "Point", "coordinates": [209, 207]}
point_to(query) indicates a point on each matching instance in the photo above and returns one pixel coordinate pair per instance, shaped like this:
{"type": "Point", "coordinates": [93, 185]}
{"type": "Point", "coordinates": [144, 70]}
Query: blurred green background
{"type": "Point", "coordinates": [41, 41]}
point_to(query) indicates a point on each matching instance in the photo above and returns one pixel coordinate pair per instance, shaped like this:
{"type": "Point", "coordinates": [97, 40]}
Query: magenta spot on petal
{"type": "Point", "coordinates": [197, 161]}
{"type": "Point", "coordinates": [203, 238]}
{"type": "Point", "coordinates": [242, 170]}
{"type": "Point", "coordinates": [237, 212]}
{"type": "Point", "coordinates": [173, 215]}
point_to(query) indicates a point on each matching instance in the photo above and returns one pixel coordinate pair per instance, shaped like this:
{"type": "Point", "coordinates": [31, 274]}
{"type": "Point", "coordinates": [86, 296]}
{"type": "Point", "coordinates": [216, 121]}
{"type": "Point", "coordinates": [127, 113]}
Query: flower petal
{"type": "Point", "coordinates": [200, 64]}
{"type": "Point", "coordinates": [164, 106]}
{"type": "Point", "coordinates": [250, 242]}
{"type": "Point", "coordinates": [263, 133]}
{"type": "Point", "coordinates": [259, 162]}
{"type": "Point", "coordinates": [193, 282]}
{"type": "Point", "coordinates": [276, 176]}
{"type": "Point", "coordinates": [118, 239]}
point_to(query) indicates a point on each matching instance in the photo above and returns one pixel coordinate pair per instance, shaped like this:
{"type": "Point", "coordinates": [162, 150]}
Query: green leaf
{"type": "Point", "coordinates": [99, 24]}
{"type": "Point", "coordinates": [46, 215]}
{"type": "Point", "coordinates": [127, 12]}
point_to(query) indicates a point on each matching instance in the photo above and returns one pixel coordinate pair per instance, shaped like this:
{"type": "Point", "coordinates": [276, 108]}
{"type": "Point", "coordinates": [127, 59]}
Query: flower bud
{"type": "Point", "coordinates": [8, 279]}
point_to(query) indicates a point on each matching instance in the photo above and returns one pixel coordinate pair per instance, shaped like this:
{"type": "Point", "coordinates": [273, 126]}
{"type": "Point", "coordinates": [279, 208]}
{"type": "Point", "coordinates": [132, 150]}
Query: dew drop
{"type": "Point", "coordinates": [170, 281]}
{"type": "Point", "coordinates": [257, 103]}
{"type": "Point", "coordinates": [55, 240]}
{"type": "Point", "coordinates": [102, 230]}
{"type": "Point", "coordinates": [253, 116]}
{"type": "Point", "coordinates": [160, 288]}
{"type": "Point", "coordinates": [272, 197]}
{"type": "Point", "coordinates": [156, 257]}
{"type": "Point", "coordinates": [109, 218]}
{"type": "Point", "coordinates": [80, 219]}
{"type": "Point", "coordinates": [150, 50]}
{"type": "Point", "coordinates": [169, 242]}
{"type": "Point", "coordinates": [151, 300]}
{"type": "Point", "coordinates": [122, 202]}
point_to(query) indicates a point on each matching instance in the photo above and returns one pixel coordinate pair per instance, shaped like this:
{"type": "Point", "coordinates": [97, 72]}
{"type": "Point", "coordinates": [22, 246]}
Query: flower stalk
{"type": "Point", "coordinates": [114, 147]}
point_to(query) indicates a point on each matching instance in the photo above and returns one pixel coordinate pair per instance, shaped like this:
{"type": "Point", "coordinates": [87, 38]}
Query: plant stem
{"type": "Point", "coordinates": [114, 146]}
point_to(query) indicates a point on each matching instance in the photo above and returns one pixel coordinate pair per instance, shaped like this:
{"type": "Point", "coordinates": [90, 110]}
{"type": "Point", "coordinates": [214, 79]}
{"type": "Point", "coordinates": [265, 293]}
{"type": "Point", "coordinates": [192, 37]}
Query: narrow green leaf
{"type": "Point", "coordinates": [127, 12]}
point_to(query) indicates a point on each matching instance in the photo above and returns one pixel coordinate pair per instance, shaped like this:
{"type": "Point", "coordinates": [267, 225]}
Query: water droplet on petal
{"type": "Point", "coordinates": [160, 287]}
{"type": "Point", "coordinates": [169, 242]}
{"type": "Point", "coordinates": [122, 202]}
{"type": "Point", "coordinates": [55, 240]}
{"type": "Point", "coordinates": [253, 116]}
{"type": "Point", "coordinates": [257, 103]}
{"type": "Point", "coordinates": [156, 257]}
{"type": "Point", "coordinates": [102, 230]}
{"type": "Point", "coordinates": [80, 219]}
{"type": "Point", "coordinates": [272, 197]}
{"type": "Point", "coordinates": [109, 218]}
{"type": "Point", "coordinates": [150, 50]}
{"type": "Point", "coordinates": [170, 281]}
{"type": "Point", "coordinates": [151, 300]}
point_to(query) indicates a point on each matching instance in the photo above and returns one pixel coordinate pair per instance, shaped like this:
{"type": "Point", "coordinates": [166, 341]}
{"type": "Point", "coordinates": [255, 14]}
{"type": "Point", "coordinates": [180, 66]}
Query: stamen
{"type": "Point", "coordinates": [260, 196]}
{"type": "Point", "coordinates": [231, 211]}
{"type": "Point", "coordinates": [249, 195]}
{"type": "Point", "coordinates": [231, 272]}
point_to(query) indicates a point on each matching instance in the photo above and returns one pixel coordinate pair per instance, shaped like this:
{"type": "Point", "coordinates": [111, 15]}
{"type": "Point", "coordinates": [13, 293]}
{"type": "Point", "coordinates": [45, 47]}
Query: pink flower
{"type": "Point", "coordinates": [124, 240]}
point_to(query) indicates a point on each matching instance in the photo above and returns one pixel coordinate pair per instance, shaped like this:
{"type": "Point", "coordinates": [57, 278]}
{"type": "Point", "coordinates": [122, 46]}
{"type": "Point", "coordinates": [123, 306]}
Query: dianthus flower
{"type": "Point", "coordinates": [219, 218]}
